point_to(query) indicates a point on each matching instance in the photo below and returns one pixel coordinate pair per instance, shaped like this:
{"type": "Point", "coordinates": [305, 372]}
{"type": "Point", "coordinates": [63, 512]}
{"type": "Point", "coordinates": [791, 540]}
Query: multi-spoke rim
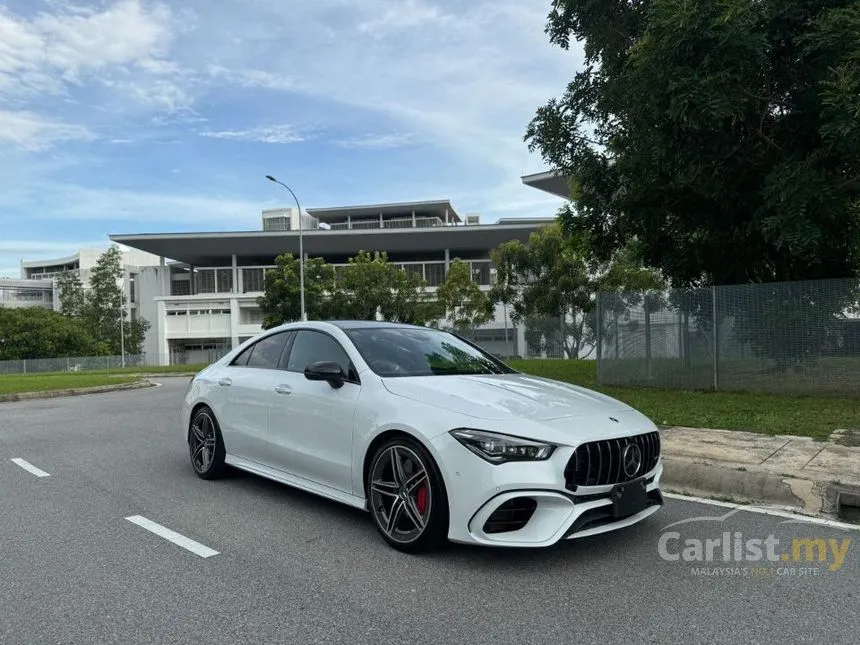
{"type": "Point", "coordinates": [202, 443]}
{"type": "Point", "coordinates": [400, 494]}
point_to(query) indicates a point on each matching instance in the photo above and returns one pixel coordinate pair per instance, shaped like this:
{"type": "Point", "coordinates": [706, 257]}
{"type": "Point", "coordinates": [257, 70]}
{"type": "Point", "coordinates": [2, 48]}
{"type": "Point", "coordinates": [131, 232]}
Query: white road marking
{"type": "Point", "coordinates": [794, 517]}
{"type": "Point", "coordinates": [30, 468]}
{"type": "Point", "coordinates": [172, 536]}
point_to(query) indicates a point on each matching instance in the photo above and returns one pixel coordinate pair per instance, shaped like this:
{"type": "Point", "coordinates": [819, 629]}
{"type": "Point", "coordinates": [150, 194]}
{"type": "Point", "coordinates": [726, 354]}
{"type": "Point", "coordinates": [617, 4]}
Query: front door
{"type": "Point", "coordinates": [311, 422]}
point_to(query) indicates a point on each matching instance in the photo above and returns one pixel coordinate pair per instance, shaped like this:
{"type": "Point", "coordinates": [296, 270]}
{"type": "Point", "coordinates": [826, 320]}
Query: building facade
{"type": "Point", "coordinates": [19, 293]}
{"type": "Point", "coordinates": [201, 298]}
{"type": "Point", "coordinates": [37, 286]}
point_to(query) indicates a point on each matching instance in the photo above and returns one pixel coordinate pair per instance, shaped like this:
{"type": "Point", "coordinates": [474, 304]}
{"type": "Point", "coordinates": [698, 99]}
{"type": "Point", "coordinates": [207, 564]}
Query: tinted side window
{"type": "Point", "coordinates": [312, 346]}
{"type": "Point", "coordinates": [267, 352]}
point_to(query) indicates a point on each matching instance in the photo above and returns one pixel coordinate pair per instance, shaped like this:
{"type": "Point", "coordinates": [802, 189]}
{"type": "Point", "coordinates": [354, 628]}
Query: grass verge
{"type": "Point", "coordinates": [18, 383]}
{"type": "Point", "coordinates": [771, 414]}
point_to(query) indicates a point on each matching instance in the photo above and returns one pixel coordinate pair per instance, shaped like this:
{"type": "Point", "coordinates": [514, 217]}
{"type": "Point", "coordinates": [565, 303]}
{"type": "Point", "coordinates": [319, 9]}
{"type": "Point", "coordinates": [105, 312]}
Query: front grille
{"type": "Point", "coordinates": [511, 515]}
{"type": "Point", "coordinates": [600, 463]}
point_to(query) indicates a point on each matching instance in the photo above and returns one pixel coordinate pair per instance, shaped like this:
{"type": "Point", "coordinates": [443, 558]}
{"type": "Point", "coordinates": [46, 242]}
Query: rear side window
{"type": "Point", "coordinates": [266, 353]}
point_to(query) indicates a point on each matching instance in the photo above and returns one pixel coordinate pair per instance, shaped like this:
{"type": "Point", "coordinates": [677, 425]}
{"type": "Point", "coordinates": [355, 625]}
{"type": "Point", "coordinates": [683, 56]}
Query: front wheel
{"type": "Point", "coordinates": [407, 496]}
{"type": "Point", "coordinates": [206, 446]}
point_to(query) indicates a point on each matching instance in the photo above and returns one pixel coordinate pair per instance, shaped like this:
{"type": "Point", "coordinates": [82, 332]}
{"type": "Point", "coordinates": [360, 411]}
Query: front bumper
{"type": "Point", "coordinates": [477, 489]}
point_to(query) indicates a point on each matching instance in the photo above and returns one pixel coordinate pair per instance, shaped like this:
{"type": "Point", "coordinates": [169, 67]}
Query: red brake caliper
{"type": "Point", "coordinates": [421, 499]}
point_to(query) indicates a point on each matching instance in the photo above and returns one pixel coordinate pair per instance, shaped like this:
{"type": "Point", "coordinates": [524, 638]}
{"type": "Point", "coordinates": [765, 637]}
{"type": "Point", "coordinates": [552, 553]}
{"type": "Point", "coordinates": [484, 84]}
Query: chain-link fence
{"type": "Point", "coordinates": [794, 337]}
{"type": "Point", "coordinates": [96, 363]}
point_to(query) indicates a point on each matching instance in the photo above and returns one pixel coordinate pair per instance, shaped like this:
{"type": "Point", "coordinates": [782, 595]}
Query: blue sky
{"type": "Point", "coordinates": [133, 116]}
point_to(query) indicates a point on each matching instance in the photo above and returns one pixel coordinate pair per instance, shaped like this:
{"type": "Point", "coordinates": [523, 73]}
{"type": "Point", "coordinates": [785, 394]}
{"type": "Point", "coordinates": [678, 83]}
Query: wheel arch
{"type": "Point", "coordinates": [381, 438]}
{"type": "Point", "coordinates": [197, 407]}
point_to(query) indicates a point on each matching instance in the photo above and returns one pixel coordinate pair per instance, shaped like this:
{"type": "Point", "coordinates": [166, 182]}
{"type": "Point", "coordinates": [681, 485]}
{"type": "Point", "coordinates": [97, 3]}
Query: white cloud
{"type": "Point", "coordinates": [32, 132]}
{"type": "Point", "coordinates": [376, 141]}
{"type": "Point", "coordinates": [42, 247]}
{"type": "Point", "coordinates": [253, 78]}
{"type": "Point", "coordinates": [72, 202]}
{"type": "Point", "coordinates": [263, 134]}
{"type": "Point", "coordinates": [468, 76]}
{"type": "Point", "coordinates": [50, 53]}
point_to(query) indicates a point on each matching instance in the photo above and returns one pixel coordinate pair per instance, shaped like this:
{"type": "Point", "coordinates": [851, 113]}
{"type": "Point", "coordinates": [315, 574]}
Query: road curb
{"type": "Point", "coordinates": [749, 484]}
{"type": "Point", "coordinates": [80, 391]}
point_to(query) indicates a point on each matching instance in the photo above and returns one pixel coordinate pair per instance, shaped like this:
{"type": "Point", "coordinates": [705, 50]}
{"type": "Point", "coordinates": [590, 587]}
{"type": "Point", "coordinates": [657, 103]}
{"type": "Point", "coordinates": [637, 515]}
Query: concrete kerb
{"type": "Point", "coordinates": [53, 394]}
{"type": "Point", "coordinates": [747, 485]}
{"type": "Point", "coordinates": [814, 491]}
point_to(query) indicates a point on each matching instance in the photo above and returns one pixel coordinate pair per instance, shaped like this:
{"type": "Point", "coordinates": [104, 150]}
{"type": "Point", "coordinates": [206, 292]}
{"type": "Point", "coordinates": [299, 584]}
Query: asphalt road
{"type": "Point", "coordinates": [293, 568]}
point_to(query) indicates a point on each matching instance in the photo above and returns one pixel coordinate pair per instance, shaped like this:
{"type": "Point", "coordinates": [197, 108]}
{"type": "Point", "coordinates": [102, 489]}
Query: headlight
{"type": "Point", "coordinates": [500, 448]}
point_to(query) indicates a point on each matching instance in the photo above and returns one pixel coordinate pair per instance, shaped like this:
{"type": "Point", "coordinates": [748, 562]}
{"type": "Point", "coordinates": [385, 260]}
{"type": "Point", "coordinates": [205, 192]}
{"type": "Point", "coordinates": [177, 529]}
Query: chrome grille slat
{"type": "Point", "coordinates": [588, 466]}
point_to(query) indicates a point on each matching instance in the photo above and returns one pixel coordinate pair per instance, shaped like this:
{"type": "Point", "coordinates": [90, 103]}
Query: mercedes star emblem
{"type": "Point", "coordinates": [632, 460]}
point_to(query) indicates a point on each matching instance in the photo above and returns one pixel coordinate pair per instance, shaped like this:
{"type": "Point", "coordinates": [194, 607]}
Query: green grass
{"type": "Point", "coordinates": [18, 383]}
{"type": "Point", "coordinates": [772, 414]}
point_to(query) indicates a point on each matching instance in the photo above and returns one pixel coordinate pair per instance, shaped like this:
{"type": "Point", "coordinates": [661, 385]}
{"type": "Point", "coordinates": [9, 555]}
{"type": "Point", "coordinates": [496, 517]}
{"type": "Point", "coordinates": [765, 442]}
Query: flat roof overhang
{"type": "Point", "coordinates": [551, 182]}
{"type": "Point", "coordinates": [216, 249]}
{"type": "Point", "coordinates": [437, 208]}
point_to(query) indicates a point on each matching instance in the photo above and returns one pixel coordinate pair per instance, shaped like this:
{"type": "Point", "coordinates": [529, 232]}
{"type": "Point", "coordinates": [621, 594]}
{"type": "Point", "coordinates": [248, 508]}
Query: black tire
{"type": "Point", "coordinates": [211, 464]}
{"type": "Point", "coordinates": [432, 512]}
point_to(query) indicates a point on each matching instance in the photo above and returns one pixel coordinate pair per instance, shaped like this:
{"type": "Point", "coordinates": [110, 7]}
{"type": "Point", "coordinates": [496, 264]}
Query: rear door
{"type": "Point", "coordinates": [311, 423]}
{"type": "Point", "coordinates": [250, 391]}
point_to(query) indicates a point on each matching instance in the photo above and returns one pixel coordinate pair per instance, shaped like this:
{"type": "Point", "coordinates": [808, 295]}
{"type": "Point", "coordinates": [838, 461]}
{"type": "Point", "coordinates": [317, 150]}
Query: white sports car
{"type": "Point", "coordinates": [435, 437]}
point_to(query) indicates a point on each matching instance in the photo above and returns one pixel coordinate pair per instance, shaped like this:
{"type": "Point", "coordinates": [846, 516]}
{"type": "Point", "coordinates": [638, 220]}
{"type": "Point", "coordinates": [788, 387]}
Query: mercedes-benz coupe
{"type": "Point", "coordinates": [436, 438]}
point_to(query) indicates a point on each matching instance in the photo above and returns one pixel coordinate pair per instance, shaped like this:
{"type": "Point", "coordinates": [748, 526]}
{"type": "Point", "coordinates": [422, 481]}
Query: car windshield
{"type": "Point", "coordinates": [421, 352]}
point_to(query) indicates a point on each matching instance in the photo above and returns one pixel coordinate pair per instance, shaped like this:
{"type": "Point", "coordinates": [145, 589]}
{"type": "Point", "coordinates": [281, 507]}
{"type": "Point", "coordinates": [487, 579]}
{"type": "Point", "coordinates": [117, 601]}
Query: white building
{"type": "Point", "coordinates": [28, 293]}
{"type": "Point", "coordinates": [37, 286]}
{"type": "Point", "coordinates": [201, 299]}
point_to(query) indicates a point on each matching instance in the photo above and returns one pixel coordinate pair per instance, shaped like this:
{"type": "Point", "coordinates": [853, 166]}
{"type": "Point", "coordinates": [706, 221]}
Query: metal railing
{"type": "Point", "coordinates": [399, 222]}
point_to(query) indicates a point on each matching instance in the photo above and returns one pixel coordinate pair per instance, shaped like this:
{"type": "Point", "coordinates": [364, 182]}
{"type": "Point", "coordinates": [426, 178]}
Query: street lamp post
{"type": "Point", "coordinates": [301, 248]}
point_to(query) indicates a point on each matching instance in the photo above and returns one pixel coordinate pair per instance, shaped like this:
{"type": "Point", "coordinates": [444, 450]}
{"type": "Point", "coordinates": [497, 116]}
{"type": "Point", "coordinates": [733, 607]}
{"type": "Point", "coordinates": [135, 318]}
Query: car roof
{"type": "Point", "coordinates": [370, 324]}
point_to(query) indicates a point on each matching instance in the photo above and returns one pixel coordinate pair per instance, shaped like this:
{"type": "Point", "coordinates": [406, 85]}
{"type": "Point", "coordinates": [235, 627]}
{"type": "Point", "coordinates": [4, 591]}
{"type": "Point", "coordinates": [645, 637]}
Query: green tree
{"type": "Point", "coordinates": [723, 137]}
{"type": "Point", "coordinates": [101, 306]}
{"type": "Point", "coordinates": [466, 306]}
{"type": "Point", "coordinates": [552, 282]}
{"type": "Point", "coordinates": [409, 301]}
{"type": "Point", "coordinates": [40, 333]}
{"type": "Point", "coordinates": [71, 294]}
{"type": "Point", "coordinates": [281, 299]}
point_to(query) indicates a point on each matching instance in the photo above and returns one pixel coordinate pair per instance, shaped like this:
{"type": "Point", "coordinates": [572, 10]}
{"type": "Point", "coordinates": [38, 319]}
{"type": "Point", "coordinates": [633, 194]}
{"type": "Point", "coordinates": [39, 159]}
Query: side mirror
{"type": "Point", "coordinates": [326, 371]}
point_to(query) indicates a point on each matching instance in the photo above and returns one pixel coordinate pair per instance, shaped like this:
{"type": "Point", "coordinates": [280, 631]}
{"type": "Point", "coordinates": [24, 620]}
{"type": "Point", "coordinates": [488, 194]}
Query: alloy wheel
{"type": "Point", "coordinates": [400, 494]}
{"type": "Point", "coordinates": [202, 442]}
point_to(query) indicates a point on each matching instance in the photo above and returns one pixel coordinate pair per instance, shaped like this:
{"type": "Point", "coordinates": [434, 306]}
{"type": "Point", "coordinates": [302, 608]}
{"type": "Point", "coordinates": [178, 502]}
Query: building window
{"type": "Point", "coordinates": [481, 272]}
{"type": "Point", "coordinates": [224, 281]}
{"type": "Point", "coordinates": [180, 287]}
{"type": "Point", "coordinates": [434, 273]}
{"type": "Point", "coordinates": [251, 316]}
{"type": "Point", "coordinates": [252, 280]}
{"type": "Point", "coordinates": [132, 278]}
{"type": "Point", "coordinates": [205, 281]}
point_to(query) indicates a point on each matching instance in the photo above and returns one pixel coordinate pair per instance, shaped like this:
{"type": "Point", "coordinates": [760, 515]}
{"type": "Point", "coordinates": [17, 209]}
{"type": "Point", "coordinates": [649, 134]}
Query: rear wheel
{"type": "Point", "coordinates": [206, 446]}
{"type": "Point", "coordinates": [407, 496]}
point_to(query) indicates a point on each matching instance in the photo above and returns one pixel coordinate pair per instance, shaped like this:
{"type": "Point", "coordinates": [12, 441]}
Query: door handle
{"type": "Point", "coordinates": [225, 382]}
{"type": "Point", "coordinates": [283, 389]}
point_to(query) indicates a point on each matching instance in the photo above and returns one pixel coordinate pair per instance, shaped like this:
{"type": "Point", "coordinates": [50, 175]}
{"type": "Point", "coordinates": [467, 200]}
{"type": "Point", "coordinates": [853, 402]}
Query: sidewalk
{"type": "Point", "coordinates": [814, 477]}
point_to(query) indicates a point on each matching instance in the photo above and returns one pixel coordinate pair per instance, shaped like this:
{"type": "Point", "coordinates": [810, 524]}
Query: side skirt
{"type": "Point", "coordinates": [296, 482]}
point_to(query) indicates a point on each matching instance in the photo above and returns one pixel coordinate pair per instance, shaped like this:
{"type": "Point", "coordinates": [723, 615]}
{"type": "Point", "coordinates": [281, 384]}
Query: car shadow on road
{"type": "Point", "coordinates": [337, 514]}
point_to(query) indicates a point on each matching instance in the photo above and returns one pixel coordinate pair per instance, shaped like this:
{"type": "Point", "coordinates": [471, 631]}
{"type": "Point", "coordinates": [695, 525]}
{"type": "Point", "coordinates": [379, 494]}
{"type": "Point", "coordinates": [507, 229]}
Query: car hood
{"type": "Point", "coordinates": [503, 396]}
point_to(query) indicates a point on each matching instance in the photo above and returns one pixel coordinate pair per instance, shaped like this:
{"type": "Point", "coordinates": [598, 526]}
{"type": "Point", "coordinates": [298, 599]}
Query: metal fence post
{"type": "Point", "coordinates": [599, 340]}
{"type": "Point", "coordinates": [716, 333]}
